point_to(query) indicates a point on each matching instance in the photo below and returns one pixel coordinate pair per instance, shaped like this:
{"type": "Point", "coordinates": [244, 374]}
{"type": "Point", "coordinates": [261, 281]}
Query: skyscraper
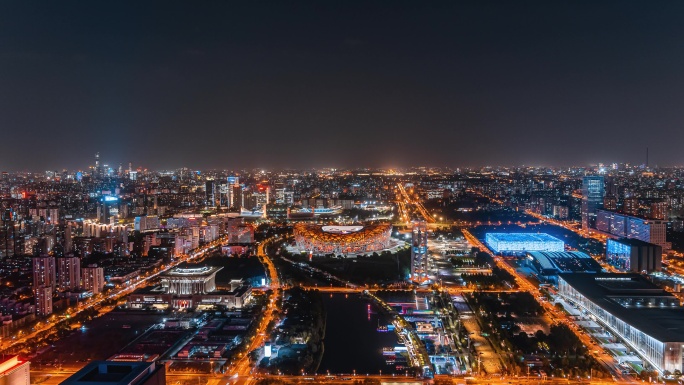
{"type": "Point", "coordinates": [44, 271]}
{"type": "Point", "coordinates": [223, 190]}
{"type": "Point", "coordinates": [68, 241]}
{"type": "Point", "coordinates": [97, 171]}
{"type": "Point", "coordinates": [8, 234]}
{"type": "Point", "coordinates": [68, 272]}
{"type": "Point", "coordinates": [593, 191]}
{"type": "Point", "coordinates": [43, 298]}
{"type": "Point", "coordinates": [210, 190]}
{"type": "Point", "coordinates": [236, 196]}
{"type": "Point", "coordinates": [419, 254]}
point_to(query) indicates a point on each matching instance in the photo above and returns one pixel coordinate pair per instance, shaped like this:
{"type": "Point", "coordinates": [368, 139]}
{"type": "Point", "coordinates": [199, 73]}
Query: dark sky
{"type": "Point", "coordinates": [217, 84]}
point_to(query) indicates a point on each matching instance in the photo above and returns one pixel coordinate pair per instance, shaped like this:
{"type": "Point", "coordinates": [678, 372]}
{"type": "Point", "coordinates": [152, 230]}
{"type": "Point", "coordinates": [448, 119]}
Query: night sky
{"type": "Point", "coordinates": [340, 83]}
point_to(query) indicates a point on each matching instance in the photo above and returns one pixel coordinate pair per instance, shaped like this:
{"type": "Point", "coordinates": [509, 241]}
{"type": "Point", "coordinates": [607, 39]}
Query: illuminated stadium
{"type": "Point", "coordinates": [520, 243]}
{"type": "Point", "coordinates": [342, 239]}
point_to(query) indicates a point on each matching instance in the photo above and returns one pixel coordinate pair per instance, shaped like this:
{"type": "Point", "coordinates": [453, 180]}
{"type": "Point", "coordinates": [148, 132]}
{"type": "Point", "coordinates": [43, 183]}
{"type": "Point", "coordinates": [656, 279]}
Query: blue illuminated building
{"type": "Point", "coordinates": [593, 191]}
{"type": "Point", "coordinates": [520, 243]}
{"type": "Point", "coordinates": [634, 255]}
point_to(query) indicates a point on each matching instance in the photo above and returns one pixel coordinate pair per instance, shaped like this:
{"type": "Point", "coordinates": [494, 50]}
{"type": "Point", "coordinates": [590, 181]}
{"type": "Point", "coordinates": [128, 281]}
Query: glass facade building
{"type": "Point", "coordinates": [520, 243]}
{"type": "Point", "coordinates": [643, 316]}
{"type": "Point", "coordinates": [634, 255]}
{"type": "Point", "coordinates": [627, 226]}
{"type": "Point", "coordinates": [593, 192]}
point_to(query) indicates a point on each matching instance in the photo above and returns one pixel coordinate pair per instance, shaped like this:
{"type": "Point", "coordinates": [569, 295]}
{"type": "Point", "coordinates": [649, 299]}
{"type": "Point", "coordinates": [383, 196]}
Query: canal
{"type": "Point", "coordinates": [352, 341]}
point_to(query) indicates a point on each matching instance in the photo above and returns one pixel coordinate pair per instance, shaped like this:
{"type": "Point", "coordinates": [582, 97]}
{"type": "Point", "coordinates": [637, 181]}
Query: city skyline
{"type": "Point", "coordinates": [100, 164]}
{"type": "Point", "coordinates": [340, 85]}
{"type": "Point", "coordinates": [341, 192]}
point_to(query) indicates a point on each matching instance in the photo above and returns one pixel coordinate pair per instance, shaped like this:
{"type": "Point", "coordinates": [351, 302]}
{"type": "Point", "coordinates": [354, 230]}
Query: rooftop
{"type": "Point", "coordinates": [8, 363]}
{"type": "Point", "coordinates": [565, 261]}
{"type": "Point", "coordinates": [632, 242]}
{"type": "Point", "coordinates": [341, 229]}
{"type": "Point", "coordinates": [523, 237]}
{"type": "Point", "coordinates": [665, 323]}
{"type": "Point", "coordinates": [188, 270]}
{"type": "Point", "coordinates": [111, 372]}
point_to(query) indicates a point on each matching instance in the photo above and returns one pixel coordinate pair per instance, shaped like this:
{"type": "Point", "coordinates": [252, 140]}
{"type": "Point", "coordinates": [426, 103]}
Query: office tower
{"type": "Point", "coordinates": [98, 170]}
{"type": "Point", "coordinates": [593, 192]}
{"type": "Point", "coordinates": [280, 195]}
{"type": "Point", "coordinates": [14, 372]}
{"type": "Point", "coordinates": [68, 240]}
{"type": "Point", "coordinates": [248, 200]}
{"type": "Point", "coordinates": [260, 198]}
{"type": "Point", "coordinates": [119, 373]}
{"type": "Point", "coordinates": [236, 196]}
{"type": "Point", "coordinates": [210, 191]}
{"type": "Point", "coordinates": [651, 231]}
{"type": "Point", "coordinates": [43, 298]}
{"type": "Point", "coordinates": [44, 271]}
{"type": "Point", "coordinates": [223, 191]}
{"type": "Point", "coordinates": [288, 198]}
{"type": "Point", "coordinates": [419, 252]}
{"type": "Point", "coordinates": [68, 272]}
{"type": "Point", "coordinates": [8, 239]}
{"type": "Point", "coordinates": [93, 278]}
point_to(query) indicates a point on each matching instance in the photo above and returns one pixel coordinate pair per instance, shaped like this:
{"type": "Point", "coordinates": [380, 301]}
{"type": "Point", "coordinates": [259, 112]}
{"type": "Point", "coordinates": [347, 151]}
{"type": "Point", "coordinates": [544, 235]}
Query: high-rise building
{"type": "Point", "coordinates": [651, 231]}
{"type": "Point", "coordinates": [248, 200]}
{"type": "Point", "coordinates": [8, 234]}
{"type": "Point", "coordinates": [43, 299]}
{"type": "Point", "coordinates": [419, 252]}
{"type": "Point", "coordinates": [610, 202]}
{"type": "Point", "coordinates": [68, 237]}
{"type": "Point", "coordinates": [630, 206]}
{"type": "Point", "coordinates": [93, 278]}
{"type": "Point", "coordinates": [68, 272]}
{"type": "Point", "coordinates": [236, 196]}
{"type": "Point", "coordinates": [210, 191]}
{"type": "Point", "coordinates": [283, 196]}
{"type": "Point", "coordinates": [147, 222]}
{"type": "Point", "coordinates": [44, 273]}
{"type": "Point", "coordinates": [98, 169]}
{"type": "Point", "coordinates": [14, 372]}
{"type": "Point", "coordinates": [659, 210]}
{"type": "Point", "coordinates": [593, 191]}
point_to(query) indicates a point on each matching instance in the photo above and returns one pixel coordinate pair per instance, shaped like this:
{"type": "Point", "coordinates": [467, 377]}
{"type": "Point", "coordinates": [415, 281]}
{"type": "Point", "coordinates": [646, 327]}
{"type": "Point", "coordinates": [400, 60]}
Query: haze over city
{"type": "Point", "coordinates": [340, 84]}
